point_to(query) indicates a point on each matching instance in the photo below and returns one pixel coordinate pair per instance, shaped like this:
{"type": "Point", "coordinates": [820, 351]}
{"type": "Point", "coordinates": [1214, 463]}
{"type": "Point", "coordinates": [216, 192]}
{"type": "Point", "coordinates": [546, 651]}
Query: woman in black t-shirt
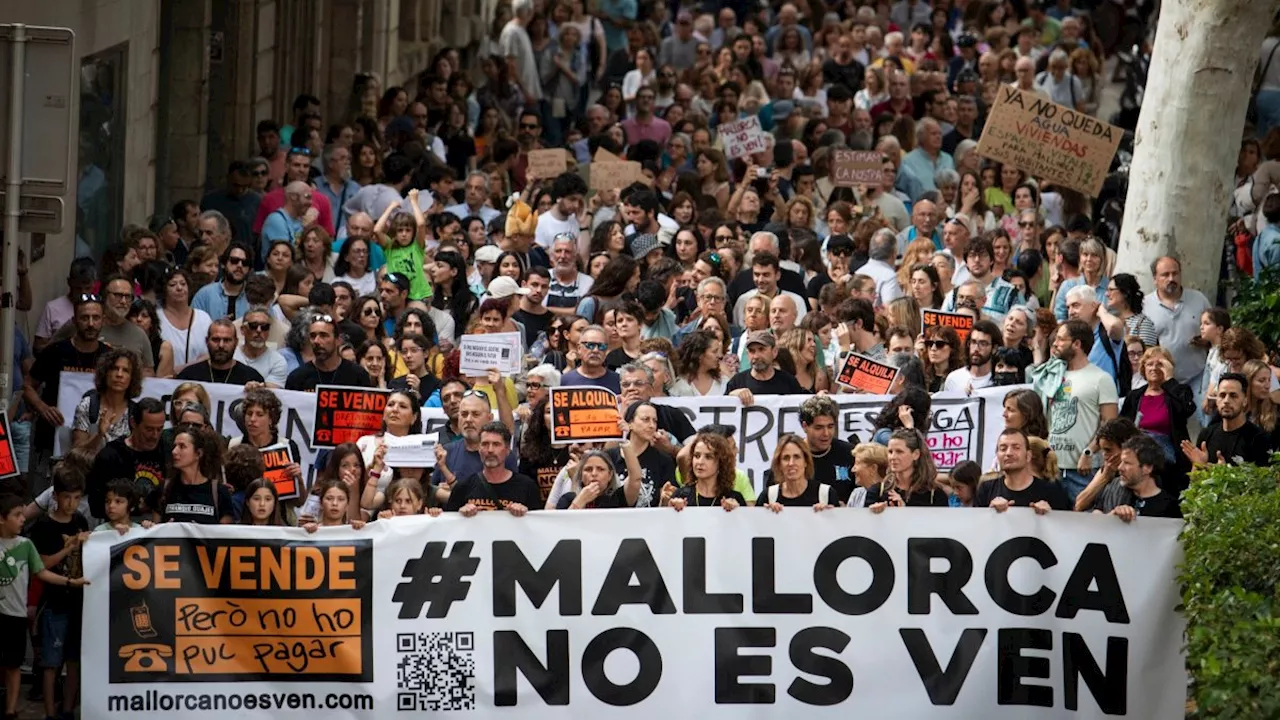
{"type": "Point", "coordinates": [539, 459]}
{"type": "Point", "coordinates": [596, 483]}
{"type": "Point", "coordinates": [794, 484]}
{"type": "Point", "coordinates": [193, 492]}
{"type": "Point", "coordinates": [913, 477]}
{"type": "Point", "coordinates": [713, 472]}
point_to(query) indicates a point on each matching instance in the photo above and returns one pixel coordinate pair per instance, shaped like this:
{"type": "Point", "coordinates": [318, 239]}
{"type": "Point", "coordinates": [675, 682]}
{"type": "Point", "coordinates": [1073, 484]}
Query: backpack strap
{"type": "Point", "coordinates": [773, 492]}
{"type": "Point", "coordinates": [824, 494]}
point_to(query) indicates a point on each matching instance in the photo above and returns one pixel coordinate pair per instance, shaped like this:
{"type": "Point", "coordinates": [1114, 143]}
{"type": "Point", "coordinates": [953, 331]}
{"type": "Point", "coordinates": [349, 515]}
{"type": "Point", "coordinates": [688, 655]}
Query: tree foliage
{"type": "Point", "coordinates": [1231, 590]}
{"type": "Point", "coordinates": [1257, 305]}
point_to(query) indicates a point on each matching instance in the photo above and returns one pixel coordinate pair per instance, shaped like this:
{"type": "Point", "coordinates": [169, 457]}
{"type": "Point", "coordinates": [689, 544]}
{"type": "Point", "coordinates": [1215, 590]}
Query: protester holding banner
{"type": "Point", "coordinates": [1018, 486]}
{"type": "Point", "coordinates": [401, 416]}
{"type": "Point", "coordinates": [792, 479]}
{"type": "Point", "coordinates": [763, 378]}
{"type": "Point", "coordinates": [712, 476]}
{"type": "Point", "coordinates": [912, 480]}
{"type": "Point", "coordinates": [495, 485]}
{"type": "Point", "coordinates": [336, 499]}
{"type": "Point", "coordinates": [261, 413]}
{"type": "Point", "coordinates": [261, 505]}
{"type": "Point", "coordinates": [194, 491]}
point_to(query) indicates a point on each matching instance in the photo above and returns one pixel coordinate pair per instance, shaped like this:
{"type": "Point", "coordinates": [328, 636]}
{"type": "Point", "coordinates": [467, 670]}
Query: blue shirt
{"type": "Point", "coordinates": [1060, 300]}
{"type": "Point", "coordinates": [921, 167]}
{"type": "Point", "coordinates": [609, 380]}
{"type": "Point", "coordinates": [1098, 355]}
{"type": "Point", "coordinates": [464, 463]}
{"type": "Point", "coordinates": [615, 36]}
{"type": "Point", "coordinates": [338, 199]}
{"type": "Point", "coordinates": [279, 226]}
{"type": "Point", "coordinates": [1266, 249]}
{"type": "Point", "coordinates": [212, 299]}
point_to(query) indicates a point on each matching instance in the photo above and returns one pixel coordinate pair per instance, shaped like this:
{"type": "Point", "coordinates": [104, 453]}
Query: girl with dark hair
{"type": "Point", "coordinates": [143, 314]}
{"type": "Point", "coordinates": [335, 506]}
{"type": "Point", "coordinates": [620, 275]}
{"type": "Point", "coordinates": [345, 466]}
{"type": "Point", "coordinates": [366, 159]}
{"type": "Point", "coordinates": [913, 477]}
{"type": "Point", "coordinates": [710, 477]}
{"type": "Point", "coordinates": [450, 291]}
{"type": "Point", "coordinates": [183, 326]}
{"type": "Point", "coordinates": [261, 504]}
{"type": "Point", "coordinates": [193, 491]}
{"type": "Point", "coordinates": [926, 286]}
{"type": "Point", "coordinates": [1124, 300]}
{"type": "Point", "coordinates": [352, 267]}
{"type": "Point", "coordinates": [942, 354]}
{"type": "Point", "coordinates": [374, 357]}
{"type": "Point", "coordinates": [508, 264]}
{"type": "Point", "coordinates": [539, 459]}
{"type": "Point", "coordinates": [686, 247]}
{"type": "Point", "coordinates": [909, 409]}
{"type": "Point", "coordinates": [608, 237]}
{"type": "Point", "coordinates": [1009, 366]}
{"type": "Point", "coordinates": [700, 358]}
{"type": "Point", "coordinates": [394, 103]}
{"type": "Point", "coordinates": [1024, 410]}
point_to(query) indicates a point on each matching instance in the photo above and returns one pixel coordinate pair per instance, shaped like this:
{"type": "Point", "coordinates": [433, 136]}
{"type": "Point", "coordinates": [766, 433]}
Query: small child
{"type": "Point", "coordinates": [19, 559]}
{"type": "Point", "coordinates": [261, 504]}
{"type": "Point", "coordinates": [335, 498]}
{"type": "Point", "coordinates": [964, 484]}
{"type": "Point", "coordinates": [120, 503]}
{"type": "Point", "coordinates": [406, 499]}
{"type": "Point", "coordinates": [404, 239]}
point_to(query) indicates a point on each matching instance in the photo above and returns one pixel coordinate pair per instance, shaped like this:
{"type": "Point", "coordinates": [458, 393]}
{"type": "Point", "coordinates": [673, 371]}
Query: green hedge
{"type": "Point", "coordinates": [1231, 591]}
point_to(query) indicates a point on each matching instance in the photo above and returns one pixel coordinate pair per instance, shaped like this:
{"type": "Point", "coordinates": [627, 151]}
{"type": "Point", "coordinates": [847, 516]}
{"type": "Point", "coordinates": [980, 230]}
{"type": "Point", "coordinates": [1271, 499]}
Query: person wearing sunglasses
{"type": "Point", "coordinates": [591, 370]}
{"type": "Point", "coordinates": [256, 353]}
{"type": "Point", "coordinates": [227, 298]}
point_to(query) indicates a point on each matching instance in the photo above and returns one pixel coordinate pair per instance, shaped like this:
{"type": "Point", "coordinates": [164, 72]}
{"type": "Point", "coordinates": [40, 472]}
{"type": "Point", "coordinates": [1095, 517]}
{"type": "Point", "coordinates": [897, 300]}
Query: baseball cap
{"type": "Point", "coordinates": [503, 286]}
{"type": "Point", "coordinates": [762, 337]}
{"type": "Point", "coordinates": [488, 254]}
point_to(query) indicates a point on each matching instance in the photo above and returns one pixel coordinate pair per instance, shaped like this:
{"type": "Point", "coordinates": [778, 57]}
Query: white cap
{"type": "Point", "coordinates": [488, 254]}
{"type": "Point", "coordinates": [503, 286]}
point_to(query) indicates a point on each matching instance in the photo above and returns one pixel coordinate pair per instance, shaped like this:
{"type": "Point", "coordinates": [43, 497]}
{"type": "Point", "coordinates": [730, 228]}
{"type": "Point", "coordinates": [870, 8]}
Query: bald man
{"type": "Point", "coordinates": [782, 314]}
{"type": "Point", "coordinates": [287, 222]}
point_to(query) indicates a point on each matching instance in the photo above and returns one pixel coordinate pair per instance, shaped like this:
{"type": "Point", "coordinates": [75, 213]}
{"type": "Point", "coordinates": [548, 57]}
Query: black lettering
{"type": "Point", "coordinates": [563, 566]}
{"type": "Point", "coordinates": [807, 661]}
{"type": "Point", "coordinates": [645, 681]}
{"type": "Point", "coordinates": [948, 585]}
{"type": "Point", "coordinates": [697, 600]}
{"type": "Point", "coordinates": [1110, 688]}
{"type": "Point", "coordinates": [512, 655]}
{"type": "Point", "coordinates": [758, 436]}
{"type": "Point", "coordinates": [943, 686]}
{"type": "Point", "coordinates": [997, 576]}
{"type": "Point", "coordinates": [764, 596]}
{"type": "Point", "coordinates": [1094, 565]}
{"type": "Point", "coordinates": [828, 585]}
{"type": "Point", "coordinates": [295, 430]}
{"type": "Point", "coordinates": [633, 559]}
{"type": "Point", "coordinates": [730, 666]}
{"type": "Point", "coordinates": [1012, 667]}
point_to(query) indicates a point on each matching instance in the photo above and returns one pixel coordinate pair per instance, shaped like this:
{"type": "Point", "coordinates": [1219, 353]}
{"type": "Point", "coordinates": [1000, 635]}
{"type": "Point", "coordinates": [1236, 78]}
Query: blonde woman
{"type": "Point", "coordinates": [805, 359]}
{"type": "Point", "coordinates": [870, 466]}
{"type": "Point", "coordinates": [1084, 65]}
{"type": "Point", "coordinates": [1262, 411]}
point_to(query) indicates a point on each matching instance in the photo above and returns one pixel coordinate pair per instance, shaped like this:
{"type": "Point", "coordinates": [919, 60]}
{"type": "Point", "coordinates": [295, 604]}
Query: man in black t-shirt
{"type": "Point", "coordinates": [79, 353]}
{"type": "Point", "coordinates": [328, 367]}
{"type": "Point", "coordinates": [532, 315]}
{"type": "Point", "coordinates": [832, 457]}
{"type": "Point", "coordinates": [763, 378]}
{"type": "Point", "coordinates": [1140, 460]}
{"type": "Point", "coordinates": [222, 366]}
{"type": "Point", "coordinates": [495, 487]}
{"type": "Point", "coordinates": [138, 457]}
{"type": "Point", "coordinates": [1231, 438]}
{"type": "Point", "coordinates": [1019, 487]}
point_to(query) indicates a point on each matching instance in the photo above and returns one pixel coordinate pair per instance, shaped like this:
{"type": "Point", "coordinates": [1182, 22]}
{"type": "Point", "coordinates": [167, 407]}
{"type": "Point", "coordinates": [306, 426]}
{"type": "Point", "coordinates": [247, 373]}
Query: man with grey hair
{"type": "Point", "coordinates": [255, 352]}
{"type": "Point", "coordinates": [475, 196]}
{"type": "Point", "coordinates": [924, 224]}
{"type": "Point", "coordinates": [882, 252]}
{"type": "Point", "coordinates": [516, 47]}
{"type": "Point", "coordinates": [360, 225]}
{"type": "Point", "coordinates": [1108, 351]}
{"type": "Point", "coordinates": [927, 159]}
{"type": "Point", "coordinates": [336, 183]}
{"type": "Point", "coordinates": [288, 222]}
{"type": "Point", "coordinates": [593, 343]}
{"type": "Point", "coordinates": [711, 296]}
{"type": "Point", "coordinates": [1059, 83]}
{"type": "Point", "coordinates": [214, 231]}
{"type": "Point", "coordinates": [598, 117]}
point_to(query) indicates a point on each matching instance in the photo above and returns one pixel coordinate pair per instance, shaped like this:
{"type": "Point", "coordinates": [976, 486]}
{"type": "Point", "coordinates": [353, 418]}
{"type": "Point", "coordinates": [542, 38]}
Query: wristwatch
{"type": "Point", "coordinates": [1087, 452]}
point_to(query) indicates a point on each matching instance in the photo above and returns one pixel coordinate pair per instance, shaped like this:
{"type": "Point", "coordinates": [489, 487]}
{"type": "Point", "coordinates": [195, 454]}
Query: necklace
{"type": "Point", "coordinates": [332, 374]}
{"type": "Point", "coordinates": [226, 378]}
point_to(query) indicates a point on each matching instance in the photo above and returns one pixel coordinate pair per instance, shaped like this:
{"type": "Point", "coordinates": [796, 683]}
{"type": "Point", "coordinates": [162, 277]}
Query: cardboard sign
{"type": "Point", "coordinates": [346, 414]}
{"type": "Point", "coordinates": [962, 323]}
{"type": "Point", "coordinates": [1049, 141]}
{"type": "Point", "coordinates": [866, 375]}
{"type": "Point", "coordinates": [604, 156]}
{"type": "Point", "coordinates": [583, 414]}
{"type": "Point", "coordinates": [851, 168]}
{"type": "Point", "coordinates": [8, 460]}
{"type": "Point", "coordinates": [743, 137]}
{"type": "Point", "coordinates": [277, 459]}
{"type": "Point", "coordinates": [614, 175]}
{"type": "Point", "coordinates": [547, 164]}
{"type": "Point", "coordinates": [478, 353]}
{"type": "Point", "coordinates": [410, 451]}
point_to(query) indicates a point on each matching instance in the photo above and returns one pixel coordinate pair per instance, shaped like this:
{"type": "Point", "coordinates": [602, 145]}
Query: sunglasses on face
{"type": "Point", "coordinates": [1026, 225]}
{"type": "Point", "coordinates": [936, 344]}
{"type": "Point", "coordinates": [258, 326]}
{"type": "Point", "coordinates": [371, 312]}
{"type": "Point", "coordinates": [232, 261]}
{"type": "Point", "coordinates": [259, 173]}
{"type": "Point", "coordinates": [596, 346]}
{"type": "Point", "coordinates": [529, 126]}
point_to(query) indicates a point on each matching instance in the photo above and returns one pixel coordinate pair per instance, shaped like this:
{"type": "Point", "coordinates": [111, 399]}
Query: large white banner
{"type": "Point", "coordinates": [962, 427]}
{"type": "Point", "coordinates": [914, 613]}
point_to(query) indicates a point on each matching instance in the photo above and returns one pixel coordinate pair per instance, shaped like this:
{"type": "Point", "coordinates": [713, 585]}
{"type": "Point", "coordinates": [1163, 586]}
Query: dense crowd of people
{"type": "Point", "coordinates": [360, 244]}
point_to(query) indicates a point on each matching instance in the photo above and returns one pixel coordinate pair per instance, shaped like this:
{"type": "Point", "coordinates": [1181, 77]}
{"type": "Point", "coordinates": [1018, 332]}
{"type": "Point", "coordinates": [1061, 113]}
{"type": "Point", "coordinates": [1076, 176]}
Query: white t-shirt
{"type": "Point", "coordinates": [549, 227]}
{"type": "Point", "coordinates": [189, 344]}
{"type": "Point", "coordinates": [271, 365]}
{"type": "Point", "coordinates": [740, 307]}
{"type": "Point", "coordinates": [366, 285]}
{"type": "Point", "coordinates": [888, 288]}
{"type": "Point", "coordinates": [959, 380]}
{"type": "Point", "coordinates": [514, 43]}
{"type": "Point", "coordinates": [1075, 411]}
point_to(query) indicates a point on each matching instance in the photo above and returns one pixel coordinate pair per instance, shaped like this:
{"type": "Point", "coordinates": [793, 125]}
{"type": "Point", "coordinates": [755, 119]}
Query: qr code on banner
{"type": "Point", "coordinates": [436, 671]}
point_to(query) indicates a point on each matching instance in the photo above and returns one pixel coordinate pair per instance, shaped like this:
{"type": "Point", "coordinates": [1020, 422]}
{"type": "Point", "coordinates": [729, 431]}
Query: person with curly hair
{"type": "Point", "coordinates": [712, 470]}
{"type": "Point", "coordinates": [102, 415]}
{"type": "Point", "coordinates": [194, 492]}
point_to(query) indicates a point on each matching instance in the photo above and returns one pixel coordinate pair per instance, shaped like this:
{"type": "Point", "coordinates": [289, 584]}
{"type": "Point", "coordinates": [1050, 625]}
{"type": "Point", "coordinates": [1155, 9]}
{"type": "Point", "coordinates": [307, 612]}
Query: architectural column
{"type": "Point", "coordinates": [180, 164]}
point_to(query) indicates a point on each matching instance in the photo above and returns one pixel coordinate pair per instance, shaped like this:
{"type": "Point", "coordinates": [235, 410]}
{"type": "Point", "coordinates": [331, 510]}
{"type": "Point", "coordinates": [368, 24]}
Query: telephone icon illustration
{"type": "Point", "coordinates": [146, 657]}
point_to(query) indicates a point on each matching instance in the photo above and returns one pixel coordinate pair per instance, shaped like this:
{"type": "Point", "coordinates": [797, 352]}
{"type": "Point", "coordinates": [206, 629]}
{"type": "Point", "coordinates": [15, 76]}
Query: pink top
{"type": "Point", "coordinates": [1153, 414]}
{"type": "Point", "coordinates": [656, 130]}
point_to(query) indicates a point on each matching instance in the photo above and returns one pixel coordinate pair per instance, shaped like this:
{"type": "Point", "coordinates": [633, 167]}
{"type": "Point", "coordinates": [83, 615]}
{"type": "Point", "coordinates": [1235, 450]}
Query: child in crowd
{"type": "Point", "coordinates": [261, 504]}
{"type": "Point", "coordinates": [335, 498]}
{"type": "Point", "coordinates": [121, 503]}
{"type": "Point", "coordinates": [404, 238]}
{"type": "Point", "coordinates": [405, 498]}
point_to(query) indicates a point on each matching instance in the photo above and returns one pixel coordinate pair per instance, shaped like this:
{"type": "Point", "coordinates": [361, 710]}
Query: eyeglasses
{"type": "Point", "coordinates": [936, 344]}
{"type": "Point", "coordinates": [231, 261]}
{"type": "Point", "coordinates": [533, 386]}
{"type": "Point", "coordinates": [300, 151]}
{"type": "Point", "coordinates": [842, 252]}
{"type": "Point", "coordinates": [119, 295]}
{"type": "Point", "coordinates": [711, 298]}
{"type": "Point", "coordinates": [258, 326]}
{"type": "Point", "coordinates": [596, 346]}
{"type": "Point", "coordinates": [979, 343]}
{"type": "Point", "coordinates": [1026, 224]}
{"type": "Point", "coordinates": [259, 173]}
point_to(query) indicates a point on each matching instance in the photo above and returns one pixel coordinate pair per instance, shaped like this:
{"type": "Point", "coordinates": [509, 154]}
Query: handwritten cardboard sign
{"type": "Point", "coordinates": [346, 414]}
{"type": "Point", "coordinates": [866, 375]}
{"type": "Point", "coordinates": [962, 323]}
{"type": "Point", "coordinates": [8, 459]}
{"type": "Point", "coordinates": [743, 137]}
{"type": "Point", "coordinates": [1049, 141]}
{"type": "Point", "coordinates": [614, 175]}
{"type": "Point", "coordinates": [851, 168]}
{"type": "Point", "coordinates": [547, 164]}
{"type": "Point", "coordinates": [277, 460]}
{"type": "Point", "coordinates": [583, 414]}
{"type": "Point", "coordinates": [478, 353]}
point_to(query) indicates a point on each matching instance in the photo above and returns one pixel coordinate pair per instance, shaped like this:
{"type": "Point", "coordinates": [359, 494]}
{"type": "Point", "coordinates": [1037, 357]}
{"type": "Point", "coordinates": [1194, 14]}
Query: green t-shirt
{"type": "Point", "coordinates": [408, 260]}
{"type": "Point", "coordinates": [18, 560]}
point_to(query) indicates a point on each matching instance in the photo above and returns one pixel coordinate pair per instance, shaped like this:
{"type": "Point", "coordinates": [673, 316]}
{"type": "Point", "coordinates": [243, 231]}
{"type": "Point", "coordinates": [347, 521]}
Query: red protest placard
{"type": "Point", "coordinates": [866, 375]}
{"type": "Point", "coordinates": [345, 414]}
{"type": "Point", "coordinates": [583, 414]}
{"type": "Point", "coordinates": [962, 323]}
{"type": "Point", "coordinates": [8, 460]}
{"type": "Point", "coordinates": [277, 460]}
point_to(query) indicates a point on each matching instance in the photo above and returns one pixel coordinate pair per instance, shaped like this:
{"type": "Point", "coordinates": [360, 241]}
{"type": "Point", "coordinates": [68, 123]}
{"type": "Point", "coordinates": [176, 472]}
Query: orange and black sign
{"type": "Point", "coordinates": [277, 460]}
{"type": "Point", "coordinates": [962, 323]}
{"type": "Point", "coordinates": [346, 414]}
{"type": "Point", "coordinates": [188, 610]}
{"type": "Point", "coordinates": [866, 375]}
{"type": "Point", "coordinates": [8, 460]}
{"type": "Point", "coordinates": [583, 414]}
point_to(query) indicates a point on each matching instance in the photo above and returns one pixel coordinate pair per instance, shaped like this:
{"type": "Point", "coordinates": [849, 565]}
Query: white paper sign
{"type": "Point", "coordinates": [410, 451]}
{"type": "Point", "coordinates": [503, 351]}
{"type": "Point", "coordinates": [743, 137]}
